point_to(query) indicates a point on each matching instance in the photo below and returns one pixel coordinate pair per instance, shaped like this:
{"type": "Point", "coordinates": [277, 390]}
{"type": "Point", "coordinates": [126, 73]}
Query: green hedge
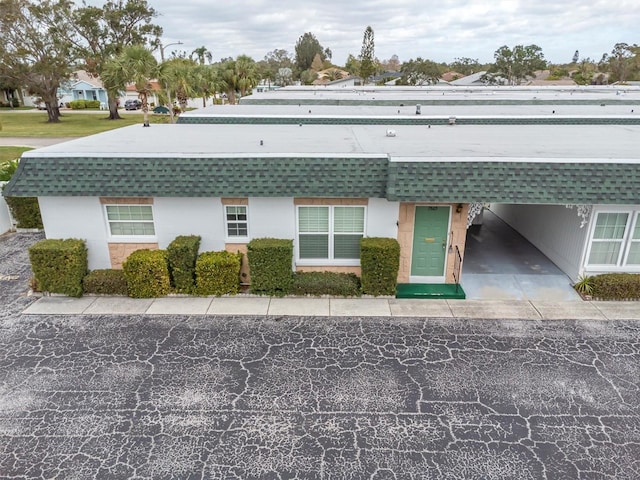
{"type": "Point", "coordinates": [326, 283]}
{"type": "Point", "coordinates": [82, 104]}
{"type": "Point", "coordinates": [59, 265]}
{"type": "Point", "coordinates": [218, 273]}
{"type": "Point", "coordinates": [105, 282]}
{"type": "Point", "coordinates": [25, 211]}
{"type": "Point", "coordinates": [380, 262]}
{"type": "Point", "coordinates": [182, 254]}
{"type": "Point", "coordinates": [147, 274]}
{"type": "Point", "coordinates": [270, 261]}
{"type": "Point", "coordinates": [616, 286]}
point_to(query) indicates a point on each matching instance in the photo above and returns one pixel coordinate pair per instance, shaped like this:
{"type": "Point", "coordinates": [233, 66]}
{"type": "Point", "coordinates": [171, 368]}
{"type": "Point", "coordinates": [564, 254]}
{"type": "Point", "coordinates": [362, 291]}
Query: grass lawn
{"type": "Point", "coordinates": [9, 153]}
{"type": "Point", "coordinates": [34, 124]}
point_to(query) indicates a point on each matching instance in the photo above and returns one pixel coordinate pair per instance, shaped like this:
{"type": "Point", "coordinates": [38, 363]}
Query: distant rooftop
{"type": "Point", "coordinates": [395, 95]}
{"type": "Point", "coordinates": [608, 143]}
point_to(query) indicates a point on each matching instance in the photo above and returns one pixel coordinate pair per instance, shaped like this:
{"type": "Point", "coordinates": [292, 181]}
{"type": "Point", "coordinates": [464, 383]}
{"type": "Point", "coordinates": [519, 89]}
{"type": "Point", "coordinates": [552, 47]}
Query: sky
{"type": "Point", "coordinates": [439, 30]}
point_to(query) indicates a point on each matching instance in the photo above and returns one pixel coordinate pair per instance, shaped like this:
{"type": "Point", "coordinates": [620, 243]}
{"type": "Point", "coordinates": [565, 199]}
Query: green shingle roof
{"type": "Point", "coordinates": [200, 177]}
{"type": "Point", "coordinates": [514, 182]}
{"type": "Point", "coordinates": [417, 120]}
{"type": "Point", "coordinates": [454, 180]}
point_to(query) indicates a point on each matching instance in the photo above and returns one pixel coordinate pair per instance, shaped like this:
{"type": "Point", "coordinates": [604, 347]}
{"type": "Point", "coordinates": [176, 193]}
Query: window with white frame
{"type": "Point", "coordinates": [615, 240]}
{"type": "Point", "coordinates": [330, 232]}
{"type": "Point", "coordinates": [130, 220]}
{"type": "Point", "coordinates": [633, 257]}
{"type": "Point", "coordinates": [236, 220]}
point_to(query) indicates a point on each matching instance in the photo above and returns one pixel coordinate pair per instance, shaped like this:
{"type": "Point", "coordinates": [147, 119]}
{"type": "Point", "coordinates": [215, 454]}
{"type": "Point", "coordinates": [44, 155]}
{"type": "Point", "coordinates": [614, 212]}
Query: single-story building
{"type": "Point", "coordinates": [327, 186]}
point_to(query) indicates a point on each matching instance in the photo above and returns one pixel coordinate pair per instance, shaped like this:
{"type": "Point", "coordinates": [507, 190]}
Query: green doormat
{"type": "Point", "coordinates": [430, 290]}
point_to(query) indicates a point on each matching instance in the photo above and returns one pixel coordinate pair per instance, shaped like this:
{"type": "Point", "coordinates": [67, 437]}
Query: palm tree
{"type": "Point", "coordinates": [179, 74]}
{"type": "Point", "coordinates": [246, 73]}
{"type": "Point", "coordinates": [206, 82]}
{"type": "Point", "coordinates": [136, 65]}
{"type": "Point", "coordinates": [202, 54]}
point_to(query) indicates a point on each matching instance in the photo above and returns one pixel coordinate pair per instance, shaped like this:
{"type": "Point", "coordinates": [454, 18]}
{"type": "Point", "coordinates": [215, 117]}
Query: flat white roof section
{"type": "Point", "coordinates": [605, 142]}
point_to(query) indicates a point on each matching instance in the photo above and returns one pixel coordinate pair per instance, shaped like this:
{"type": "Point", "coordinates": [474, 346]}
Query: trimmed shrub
{"type": "Point", "coordinates": [616, 286]}
{"type": "Point", "coordinates": [92, 103]}
{"type": "Point", "coordinates": [59, 265]}
{"type": "Point", "coordinates": [270, 262]}
{"type": "Point", "coordinates": [182, 254]}
{"type": "Point", "coordinates": [326, 283]}
{"type": "Point", "coordinates": [105, 282]}
{"type": "Point", "coordinates": [147, 274]}
{"type": "Point", "coordinates": [218, 273]}
{"type": "Point", "coordinates": [78, 104]}
{"type": "Point", "coordinates": [25, 211]}
{"type": "Point", "coordinates": [380, 262]}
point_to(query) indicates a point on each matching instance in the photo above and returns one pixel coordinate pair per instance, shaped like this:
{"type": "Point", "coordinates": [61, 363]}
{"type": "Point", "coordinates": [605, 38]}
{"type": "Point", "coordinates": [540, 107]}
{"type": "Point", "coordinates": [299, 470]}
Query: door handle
{"type": "Point", "coordinates": [430, 240]}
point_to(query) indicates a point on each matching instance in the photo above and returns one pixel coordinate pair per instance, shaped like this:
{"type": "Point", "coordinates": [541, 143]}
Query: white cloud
{"type": "Point", "coordinates": [436, 29]}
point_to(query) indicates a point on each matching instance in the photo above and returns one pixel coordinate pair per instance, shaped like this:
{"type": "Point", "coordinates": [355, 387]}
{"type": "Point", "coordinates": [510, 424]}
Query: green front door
{"type": "Point", "coordinates": [429, 241]}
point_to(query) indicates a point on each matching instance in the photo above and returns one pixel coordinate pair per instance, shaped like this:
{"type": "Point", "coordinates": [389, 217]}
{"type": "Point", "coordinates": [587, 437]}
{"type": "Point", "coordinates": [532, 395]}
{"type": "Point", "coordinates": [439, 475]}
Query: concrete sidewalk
{"type": "Point", "coordinates": [337, 307]}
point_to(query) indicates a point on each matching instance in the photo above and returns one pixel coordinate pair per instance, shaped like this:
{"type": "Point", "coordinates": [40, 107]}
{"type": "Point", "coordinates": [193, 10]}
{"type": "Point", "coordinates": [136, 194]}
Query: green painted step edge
{"type": "Point", "coordinates": [430, 291]}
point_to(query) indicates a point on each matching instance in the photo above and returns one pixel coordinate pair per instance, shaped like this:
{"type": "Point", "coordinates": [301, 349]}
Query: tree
{"type": "Point", "coordinates": [420, 72]}
{"type": "Point", "coordinates": [201, 54]}
{"type": "Point", "coordinates": [576, 57]}
{"type": "Point", "coordinates": [206, 82]}
{"type": "Point", "coordinates": [180, 77]}
{"type": "Point", "coordinates": [238, 76]}
{"type": "Point", "coordinates": [306, 49]}
{"type": "Point", "coordinates": [621, 62]}
{"type": "Point", "coordinates": [101, 33]}
{"type": "Point", "coordinates": [465, 65]}
{"type": "Point", "coordinates": [514, 65]}
{"type": "Point", "coordinates": [34, 51]}
{"type": "Point", "coordinates": [391, 65]}
{"type": "Point", "coordinates": [352, 65]}
{"type": "Point", "coordinates": [135, 64]}
{"type": "Point", "coordinates": [367, 55]}
{"type": "Point", "coordinates": [277, 66]}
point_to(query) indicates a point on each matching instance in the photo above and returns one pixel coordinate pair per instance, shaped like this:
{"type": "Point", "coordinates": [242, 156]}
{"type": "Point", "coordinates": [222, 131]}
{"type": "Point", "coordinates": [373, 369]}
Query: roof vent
{"type": "Point", "coordinates": [391, 132]}
{"type": "Point", "coordinates": [452, 120]}
{"type": "Point", "coordinates": [418, 107]}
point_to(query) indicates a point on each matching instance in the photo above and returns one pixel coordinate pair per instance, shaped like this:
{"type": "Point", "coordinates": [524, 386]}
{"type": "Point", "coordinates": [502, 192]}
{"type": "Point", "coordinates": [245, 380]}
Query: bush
{"type": "Point", "coordinates": [77, 104]}
{"type": "Point", "coordinates": [270, 268]}
{"type": "Point", "coordinates": [59, 265]}
{"type": "Point", "coordinates": [25, 211]}
{"type": "Point", "coordinates": [380, 262]}
{"type": "Point", "coordinates": [182, 254]}
{"type": "Point", "coordinates": [326, 283]}
{"type": "Point", "coordinates": [92, 104]}
{"type": "Point", "coordinates": [218, 273]}
{"type": "Point", "coordinates": [105, 282]}
{"type": "Point", "coordinates": [616, 286]}
{"type": "Point", "coordinates": [147, 274]}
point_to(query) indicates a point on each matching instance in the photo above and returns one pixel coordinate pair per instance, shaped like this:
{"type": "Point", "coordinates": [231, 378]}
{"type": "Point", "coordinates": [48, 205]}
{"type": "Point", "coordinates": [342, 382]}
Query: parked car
{"type": "Point", "coordinates": [132, 105]}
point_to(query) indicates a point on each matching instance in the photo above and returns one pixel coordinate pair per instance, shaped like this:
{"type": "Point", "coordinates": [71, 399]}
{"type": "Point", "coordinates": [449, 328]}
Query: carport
{"type": "Point", "coordinates": [500, 264]}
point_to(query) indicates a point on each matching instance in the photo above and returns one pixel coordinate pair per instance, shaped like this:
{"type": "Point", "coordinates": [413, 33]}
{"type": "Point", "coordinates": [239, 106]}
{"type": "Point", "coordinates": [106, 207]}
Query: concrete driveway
{"type": "Point", "coordinates": [203, 397]}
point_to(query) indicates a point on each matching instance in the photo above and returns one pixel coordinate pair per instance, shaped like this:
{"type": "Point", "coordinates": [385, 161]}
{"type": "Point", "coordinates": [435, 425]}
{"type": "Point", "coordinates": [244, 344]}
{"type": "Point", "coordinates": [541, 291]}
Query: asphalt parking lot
{"type": "Point", "coordinates": [203, 397]}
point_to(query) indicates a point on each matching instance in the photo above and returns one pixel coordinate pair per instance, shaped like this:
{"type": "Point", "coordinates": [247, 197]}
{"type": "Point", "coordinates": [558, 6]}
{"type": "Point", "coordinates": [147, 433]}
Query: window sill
{"type": "Point", "coordinates": [133, 239]}
{"type": "Point", "coordinates": [236, 240]}
{"type": "Point", "coordinates": [310, 262]}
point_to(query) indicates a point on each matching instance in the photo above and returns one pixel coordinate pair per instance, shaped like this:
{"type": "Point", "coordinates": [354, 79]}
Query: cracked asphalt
{"type": "Point", "coordinates": [114, 397]}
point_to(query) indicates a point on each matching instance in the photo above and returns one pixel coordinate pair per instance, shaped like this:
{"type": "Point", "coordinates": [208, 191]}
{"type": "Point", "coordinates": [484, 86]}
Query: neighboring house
{"type": "Point", "coordinates": [81, 86]}
{"type": "Point", "coordinates": [450, 76]}
{"type": "Point", "coordinates": [326, 186]}
{"type": "Point", "coordinates": [475, 79]}
{"type": "Point", "coordinates": [131, 93]}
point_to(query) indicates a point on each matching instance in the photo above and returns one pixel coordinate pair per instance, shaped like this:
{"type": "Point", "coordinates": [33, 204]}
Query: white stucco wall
{"type": "Point", "coordinates": [5, 216]}
{"type": "Point", "coordinates": [190, 216]}
{"type": "Point", "coordinates": [272, 217]}
{"type": "Point", "coordinates": [78, 217]}
{"type": "Point", "coordinates": [553, 229]}
{"type": "Point", "coordinates": [382, 218]}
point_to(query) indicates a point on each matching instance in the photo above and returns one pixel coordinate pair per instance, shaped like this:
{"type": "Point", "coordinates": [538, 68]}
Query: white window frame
{"type": "Point", "coordinates": [331, 261]}
{"type": "Point", "coordinates": [234, 238]}
{"type": "Point", "coordinates": [130, 238]}
{"type": "Point", "coordinates": [633, 216]}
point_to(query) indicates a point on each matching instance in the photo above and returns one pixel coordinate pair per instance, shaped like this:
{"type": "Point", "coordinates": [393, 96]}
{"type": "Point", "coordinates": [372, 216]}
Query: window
{"type": "Point", "coordinates": [633, 257]}
{"type": "Point", "coordinates": [130, 220]}
{"type": "Point", "coordinates": [330, 233]}
{"type": "Point", "coordinates": [615, 240]}
{"type": "Point", "coordinates": [607, 239]}
{"type": "Point", "coordinates": [236, 220]}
